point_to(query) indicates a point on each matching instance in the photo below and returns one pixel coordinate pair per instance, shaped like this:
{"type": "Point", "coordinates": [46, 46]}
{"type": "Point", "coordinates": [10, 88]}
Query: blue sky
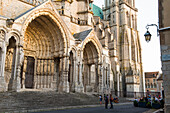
{"type": "Point", "coordinates": [147, 14]}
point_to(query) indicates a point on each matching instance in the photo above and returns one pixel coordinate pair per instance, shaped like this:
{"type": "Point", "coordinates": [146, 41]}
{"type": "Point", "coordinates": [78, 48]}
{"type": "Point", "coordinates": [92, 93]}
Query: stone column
{"type": "Point", "coordinates": [24, 72]}
{"type": "Point", "coordinates": [85, 77]}
{"type": "Point", "coordinates": [19, 63]}
{"type": "Point", "coordinates": [118, 84]}
{"type": "Point", "coordinates": [96, 88]}
{"type": "Point", "coordinates": [3, 86]}
{"type": "Point", "coordinates": [12, 82]}
{"type": "Point", "coordinates": [104, 79]}
{"type": "Point", "coordinates": [89, 75]}
{"type": "Point", "coordinates": [64, 84]}
{"type": "Point", "coordinates": [71, 74]}
{"type": "Point", "coordinates": [56, 79]}
{"type": "Point", "coordinates": [81, 87]}
{"type": "Point", "coordinates": [75, 78]}
{"type": "Point", "coordinates": [35, 74]}
{"type": "Point", "coordinates": [108, 78]}
{"type": "Point", "coordinates": [18, 58]}
{"type": "Point", "coordinates": [0, 61]}
{"type": "Point", "coordinates": [101, 80]}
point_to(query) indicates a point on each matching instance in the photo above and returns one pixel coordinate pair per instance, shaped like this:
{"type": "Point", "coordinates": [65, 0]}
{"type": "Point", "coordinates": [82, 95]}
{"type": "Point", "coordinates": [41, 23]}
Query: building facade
{"type": "Point", "coordinates": [59, 45]}
{"type": "Point", "coordinates": [164, 31]}
{"type": "Point", "coordinates": [122, 17]}
{"type": "Point", "coordinates": [151, 82]}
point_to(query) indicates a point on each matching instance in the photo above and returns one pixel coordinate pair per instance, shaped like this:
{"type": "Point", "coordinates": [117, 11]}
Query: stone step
{"type": "Point", "coordinates": [35, 100]}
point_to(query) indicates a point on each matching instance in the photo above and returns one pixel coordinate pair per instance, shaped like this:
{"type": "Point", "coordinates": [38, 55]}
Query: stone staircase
{"type": "Point", "coordinates": [12, 101]}
{"type": "Point", "coordinates": [28, 100]}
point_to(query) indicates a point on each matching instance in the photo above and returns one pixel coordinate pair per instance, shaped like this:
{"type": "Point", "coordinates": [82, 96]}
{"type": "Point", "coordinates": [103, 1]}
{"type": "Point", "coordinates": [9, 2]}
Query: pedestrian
{"type": "Point", "coordinates": [116, 100]}
{"type": "Point", "coordinates": [147, 93]}
{"type": "Point", "coordinates": [106, 101]}
{"type": "Point", "coordinates": [111, 101]}
{"type": "Point", "coordinates": [100, 99]}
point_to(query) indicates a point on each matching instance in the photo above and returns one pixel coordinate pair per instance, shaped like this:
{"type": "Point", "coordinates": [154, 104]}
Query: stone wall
{"type": "Point", "coordinates": [13, 8]}
{"type": "Point", "coordinates": [0, 60]}
{"type": "Point", "coordinates": [165, 48]}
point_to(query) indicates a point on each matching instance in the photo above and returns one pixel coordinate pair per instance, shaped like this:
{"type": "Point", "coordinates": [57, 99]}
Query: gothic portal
{"type": "Point", "coordinates": [51, 45]}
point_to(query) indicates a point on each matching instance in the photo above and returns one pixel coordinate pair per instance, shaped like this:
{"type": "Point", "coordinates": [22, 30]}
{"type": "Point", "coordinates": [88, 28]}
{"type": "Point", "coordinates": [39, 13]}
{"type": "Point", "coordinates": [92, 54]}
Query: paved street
{"type": "Point", "coordinates": [128, 108]}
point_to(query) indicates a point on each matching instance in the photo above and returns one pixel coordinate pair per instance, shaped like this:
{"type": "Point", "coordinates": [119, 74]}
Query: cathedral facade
{"type": "Point", "coordinates": [61, 45]}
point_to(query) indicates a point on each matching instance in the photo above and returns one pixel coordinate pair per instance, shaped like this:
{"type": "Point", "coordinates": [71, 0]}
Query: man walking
{"type": "Point", "coordinates": [106, 101]}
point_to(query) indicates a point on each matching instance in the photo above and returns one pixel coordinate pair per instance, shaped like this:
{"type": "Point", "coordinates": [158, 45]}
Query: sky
{"type": "Point", "coordinates": [147, 14]}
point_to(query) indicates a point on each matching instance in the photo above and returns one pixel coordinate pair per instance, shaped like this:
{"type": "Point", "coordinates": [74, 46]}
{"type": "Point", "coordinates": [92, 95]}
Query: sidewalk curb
{"type": "Point", "coordinates": [66, 107]}
{"type": "Point", "coordinates": [158, 111]}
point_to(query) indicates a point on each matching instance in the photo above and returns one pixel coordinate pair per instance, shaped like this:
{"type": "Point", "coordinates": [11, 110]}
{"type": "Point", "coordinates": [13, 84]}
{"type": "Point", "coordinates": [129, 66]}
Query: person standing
{"type": "Point", "coordinates": [100, 99]}
{"type": "Point", "coordinates": [147, 93]}
{"type": "Point", "coordinates": [111, 101]}
{"type": "Point", "coordinates": [106, 101]}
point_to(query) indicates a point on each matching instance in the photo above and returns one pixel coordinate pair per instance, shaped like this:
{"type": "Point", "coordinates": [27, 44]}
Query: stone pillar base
{"type": "Point", "coordinates": [96, 88]}
{"type": "Point", "coordinates": [89, 88]}
{"type": "Point", "coordinates": [14, 85]}
{"type": "Point", "coordinates": [64, 87]}
{"type": "Point", "coordinates": [79, 88]}
{"type": "Point", "coordinates": [54, 86]}
{"type": "Point", "coordinates": [73, 87]}
{"type": "Point", "coordinates": [3, 87]}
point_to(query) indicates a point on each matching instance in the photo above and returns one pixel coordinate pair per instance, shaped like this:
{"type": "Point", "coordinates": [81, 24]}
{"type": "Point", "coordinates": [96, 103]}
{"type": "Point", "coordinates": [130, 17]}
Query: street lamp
{"type": "Point", "coordinates": [147, 34]}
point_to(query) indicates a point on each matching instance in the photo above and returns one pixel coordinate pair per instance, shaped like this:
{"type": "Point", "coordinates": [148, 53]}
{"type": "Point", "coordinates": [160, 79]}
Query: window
{"type": "Point", "coordinates": [78, 20]}
{"type": "Point", "coordinates": [128, 19]}
{"type": "Point", "coordinates": [151, 85]}
{"type": "Point", "coordinates": [154, 85]}
{"type": "Point", "coordinates": [62, 10]}
{"type": "Point", "coordinates": [148, 85]}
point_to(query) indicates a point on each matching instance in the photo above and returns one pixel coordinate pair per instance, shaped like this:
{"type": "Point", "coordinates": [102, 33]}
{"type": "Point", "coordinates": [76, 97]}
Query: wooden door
{"type": "Point", "coordinates": [29, 75]}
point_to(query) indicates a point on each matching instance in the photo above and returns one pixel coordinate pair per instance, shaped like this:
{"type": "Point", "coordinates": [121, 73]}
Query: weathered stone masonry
{"type": "Point", "coordinates": [58, 45]}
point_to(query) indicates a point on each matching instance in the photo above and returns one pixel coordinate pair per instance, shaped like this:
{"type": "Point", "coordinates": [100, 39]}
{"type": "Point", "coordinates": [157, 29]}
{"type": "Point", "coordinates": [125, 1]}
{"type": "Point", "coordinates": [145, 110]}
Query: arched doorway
{"type": "Point", "coordinates": [43, 50]}
{"type": "Point", "coordinates": [90, 68]}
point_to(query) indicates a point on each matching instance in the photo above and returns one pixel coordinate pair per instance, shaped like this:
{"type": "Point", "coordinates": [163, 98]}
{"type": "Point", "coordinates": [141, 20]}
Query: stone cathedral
{"type": "Point", "coordinates": [70, 46]}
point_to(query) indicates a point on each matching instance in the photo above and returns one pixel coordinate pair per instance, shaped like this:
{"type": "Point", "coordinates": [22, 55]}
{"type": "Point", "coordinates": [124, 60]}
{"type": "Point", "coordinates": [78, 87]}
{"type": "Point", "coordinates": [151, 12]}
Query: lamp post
{"type": "Point", "coordinates": [148, 34]}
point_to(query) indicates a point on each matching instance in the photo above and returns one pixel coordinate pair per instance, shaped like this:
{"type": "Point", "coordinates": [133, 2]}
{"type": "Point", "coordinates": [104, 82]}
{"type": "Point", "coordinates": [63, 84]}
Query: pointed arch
{"type": "Point", "coordinates": [95, 43]}
{"type": "Point", "coordinates": [45, 16]}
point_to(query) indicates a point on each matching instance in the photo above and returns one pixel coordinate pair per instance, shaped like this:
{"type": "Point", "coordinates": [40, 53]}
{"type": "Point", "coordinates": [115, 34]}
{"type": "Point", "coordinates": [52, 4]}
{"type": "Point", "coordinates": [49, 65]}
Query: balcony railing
{"type": "Point", "coordinates": [78, 21]}
{"type": "Point", "coordinates": [73, 19]}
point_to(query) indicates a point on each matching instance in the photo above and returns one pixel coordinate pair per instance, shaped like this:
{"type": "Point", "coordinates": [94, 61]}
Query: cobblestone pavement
{"type": "Point", "coordinates": [120, 108]}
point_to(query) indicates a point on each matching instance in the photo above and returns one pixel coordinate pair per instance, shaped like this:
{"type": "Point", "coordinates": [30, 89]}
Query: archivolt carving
{"type": "Point", "coordinates": [96, 44]}
{"type": "Point", "coordinates": [54, 17]}
{"type": "Point", "coordinates": [29, 46]}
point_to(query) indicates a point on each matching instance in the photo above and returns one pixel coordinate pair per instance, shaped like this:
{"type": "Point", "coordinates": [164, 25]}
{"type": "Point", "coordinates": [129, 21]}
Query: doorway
{"type": "Point", "coordinates": [29, 75]}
